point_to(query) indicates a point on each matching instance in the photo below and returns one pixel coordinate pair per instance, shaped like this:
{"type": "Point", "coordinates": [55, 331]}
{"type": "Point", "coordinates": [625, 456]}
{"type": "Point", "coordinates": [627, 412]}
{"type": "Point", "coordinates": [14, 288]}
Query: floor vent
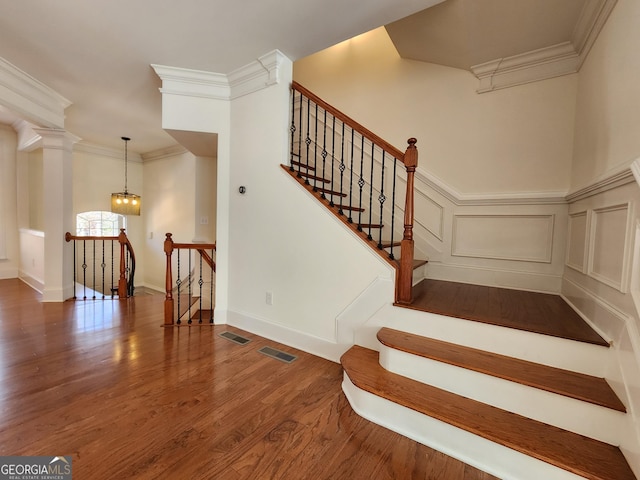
{"type": "Point", "coordinates": [234, 338]}
{"type": "Point", "coordinates": [277, 354]}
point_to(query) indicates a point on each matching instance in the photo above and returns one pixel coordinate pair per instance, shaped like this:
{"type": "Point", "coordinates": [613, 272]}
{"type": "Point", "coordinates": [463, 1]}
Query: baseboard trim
{"type": "Point", "coordinates": [287, 336]}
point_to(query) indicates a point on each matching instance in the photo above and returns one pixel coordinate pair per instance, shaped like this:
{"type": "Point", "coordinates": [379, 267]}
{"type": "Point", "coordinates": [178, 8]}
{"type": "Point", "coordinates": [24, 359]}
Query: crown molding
{"type": "Point", "coordinates": [30, 98]}
{"type": "Point", "coordinates": [99, 150]}
{"type": "Point", "coordinates": [259, 74]}
{"type": "Point", "coordinates": [262, 73]}
{"type": "Point", "coordinates": [192, 83]}
{"type": "Point", "coordinates": [549, 62]}
{"type": "Point", "coordinates": [167, 152]}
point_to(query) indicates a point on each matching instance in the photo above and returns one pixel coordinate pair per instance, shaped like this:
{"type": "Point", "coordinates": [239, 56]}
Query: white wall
{"type": "Point", "coordinates": [608, 101]}
{"type": "Point", "coordinates": [513, 140]}
{"type": "Point", "coordinates": [169, 202]}
{"type": "Point", "coordinates": [603, 241]}
{"type": "Point", "coordinates": [283, 241]}
{"type": "Point", "coordinates": [9, 259]}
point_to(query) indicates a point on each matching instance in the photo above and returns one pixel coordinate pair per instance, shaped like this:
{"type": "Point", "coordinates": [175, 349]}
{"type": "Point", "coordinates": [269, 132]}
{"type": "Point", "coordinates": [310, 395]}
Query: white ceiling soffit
{"type": "Point", "coordinates": [503, 42]}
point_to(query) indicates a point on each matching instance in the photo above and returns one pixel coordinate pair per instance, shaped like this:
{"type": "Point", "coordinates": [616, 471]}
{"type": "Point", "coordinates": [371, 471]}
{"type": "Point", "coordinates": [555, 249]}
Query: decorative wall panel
{"type": "Point", "coordinates": [609, 246]}
{"type": "Point", "coordinates": [577, 241]}
{"type": "Point", "coordinates": [507, 237]}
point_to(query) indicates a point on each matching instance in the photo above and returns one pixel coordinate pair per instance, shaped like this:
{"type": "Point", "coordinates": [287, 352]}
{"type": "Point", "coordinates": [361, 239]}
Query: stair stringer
{"type": "Point", "coordinates": [544, 349]}
{"type": "Point", "coordinates": [483, 454]}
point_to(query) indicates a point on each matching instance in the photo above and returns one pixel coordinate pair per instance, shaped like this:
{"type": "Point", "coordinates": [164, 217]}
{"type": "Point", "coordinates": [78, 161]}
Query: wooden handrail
{"type": "Point", "coordinates": [169, 247]}
{"type": "Point", "coordinates": [365, 132]}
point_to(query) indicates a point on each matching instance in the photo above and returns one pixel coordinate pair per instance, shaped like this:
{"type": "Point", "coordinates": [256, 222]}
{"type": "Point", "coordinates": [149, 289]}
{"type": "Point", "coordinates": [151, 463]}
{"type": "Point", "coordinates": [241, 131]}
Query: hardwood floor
{"type": "Point", "coordinates": [103, 382]}
{"type": "Point", "coordinates": [534, 312]}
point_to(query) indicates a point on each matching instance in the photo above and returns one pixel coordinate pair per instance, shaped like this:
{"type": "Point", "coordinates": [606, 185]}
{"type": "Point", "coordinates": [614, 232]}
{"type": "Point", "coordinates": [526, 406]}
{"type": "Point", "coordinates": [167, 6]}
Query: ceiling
{"type": "Point", "coordinates": [464, 33]}
{"type": "Point", "coordinates": [98, 54]}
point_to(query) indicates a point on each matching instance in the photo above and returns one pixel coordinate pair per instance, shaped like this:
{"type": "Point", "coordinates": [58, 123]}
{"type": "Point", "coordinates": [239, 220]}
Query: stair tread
{"type": "Point", "coordinates": [302, 165]}
{"type": "Point", "coordinates": [567, 450]}
{"type": "Point", "coordinates": [314, 177]}
{"type": "Point", "coordinates": [331, 192]}
{"type": "Point", "coordinates": [563, 382]}
{"type": "Point", "coordinates": [370, 225]}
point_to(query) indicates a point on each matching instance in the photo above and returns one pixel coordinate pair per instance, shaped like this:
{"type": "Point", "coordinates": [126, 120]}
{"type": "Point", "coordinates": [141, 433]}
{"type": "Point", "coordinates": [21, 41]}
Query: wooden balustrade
{"type": "Point", "coordinates": [127, 263]}
{"type": "Point", "coordinates": [171, 314]}
{"type": "Point", "coordinates": [321, 138]}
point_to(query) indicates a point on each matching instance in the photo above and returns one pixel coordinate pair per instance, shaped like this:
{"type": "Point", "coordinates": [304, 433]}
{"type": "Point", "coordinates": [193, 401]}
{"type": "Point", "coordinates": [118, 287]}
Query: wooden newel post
{"type": "Point", "coordinates": [405, 275]}
{"type": "Point", "coordinates": [168, 299]}
{"type": "Point", "coordinates": [123, 291]}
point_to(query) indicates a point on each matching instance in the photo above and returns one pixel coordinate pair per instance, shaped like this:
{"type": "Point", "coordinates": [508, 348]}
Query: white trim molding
{"type": "Point", "coordinates": [30, 98]}
{"type": "Point", "coordinates": [553, 61]}
{"type": "Point", "coordinates": [259, 74]}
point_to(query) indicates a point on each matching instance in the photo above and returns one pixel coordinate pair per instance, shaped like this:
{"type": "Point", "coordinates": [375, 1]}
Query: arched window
{"type": "Point", "coordinates": [99, 224]}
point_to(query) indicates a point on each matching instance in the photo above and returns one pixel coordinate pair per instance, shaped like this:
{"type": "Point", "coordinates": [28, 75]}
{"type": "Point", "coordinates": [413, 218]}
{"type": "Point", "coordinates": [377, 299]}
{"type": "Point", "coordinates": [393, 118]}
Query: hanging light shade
{"type": "Point", "coordinates": [125, 203]}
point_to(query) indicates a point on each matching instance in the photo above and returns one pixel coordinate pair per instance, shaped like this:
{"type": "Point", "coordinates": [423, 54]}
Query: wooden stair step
{"type": "Point", "coordinates": [575, 453]}
{"type": "Point", "coordinates": [562, 382]}
{"type": "Point", "coordinates": [302, 165]}
{"type": "Point", "coordinates": [350, 208]}
{"type": "Point", "coordinates": [389, 243]}
{"type": "Point", "coordinates": [417, 263]}
{"type": "Point", "coordinates": [331, 192]}
{"type": "Point", "coordinates": [314, 177]}
{"type": "Point", "coordinates": [370, 225]}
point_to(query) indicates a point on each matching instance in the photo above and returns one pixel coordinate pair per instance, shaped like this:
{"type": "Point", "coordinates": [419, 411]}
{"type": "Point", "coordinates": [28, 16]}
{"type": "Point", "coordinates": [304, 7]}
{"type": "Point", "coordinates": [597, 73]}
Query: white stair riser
{"type": "Point", "coordinates": [567, 413]}
{"type": "Point", "coordinates": [544, 349]}
{"type": "Point", "coordinates": [479, 452]}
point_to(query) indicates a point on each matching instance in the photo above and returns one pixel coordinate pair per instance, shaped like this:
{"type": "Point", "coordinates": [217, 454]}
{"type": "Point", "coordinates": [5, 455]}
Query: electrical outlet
{"type": "Point", "coordinates": [269, 298]}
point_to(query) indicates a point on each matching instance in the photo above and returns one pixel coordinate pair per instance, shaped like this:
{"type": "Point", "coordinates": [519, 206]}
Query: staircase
{"type": "Point", "coordinates": [510, 416]}
{"type": "Point", "coordinates": [519, 402]}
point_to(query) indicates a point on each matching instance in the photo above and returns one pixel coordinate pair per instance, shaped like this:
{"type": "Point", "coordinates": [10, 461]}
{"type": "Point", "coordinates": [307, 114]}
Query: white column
{"type": "Point", "coordinates": [57, 159]}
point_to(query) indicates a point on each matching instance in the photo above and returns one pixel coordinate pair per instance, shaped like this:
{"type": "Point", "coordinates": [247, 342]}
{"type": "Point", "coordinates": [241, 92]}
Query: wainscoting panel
{"type": "Point", "coordinates": [526, 238]}
{"type": "Point", "coordinates": [577, 241]}
{"type": "Point", "coordinates": [609, 247]}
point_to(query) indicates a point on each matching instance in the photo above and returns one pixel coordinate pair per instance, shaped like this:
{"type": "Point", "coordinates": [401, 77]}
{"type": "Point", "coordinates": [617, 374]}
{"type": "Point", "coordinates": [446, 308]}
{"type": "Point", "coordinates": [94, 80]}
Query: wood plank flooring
{"type": "Point", "coordinates": [534, 312]}
{"type": "Point", "coordinates": [103, 382]}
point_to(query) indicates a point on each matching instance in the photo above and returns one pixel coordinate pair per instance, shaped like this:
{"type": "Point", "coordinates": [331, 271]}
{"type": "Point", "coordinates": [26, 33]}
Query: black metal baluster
{"type": "Point", "coordinates": [292, 128]}
{"type": "Point", "coordinates": [351, 180]}
{"type": "Point", "coordinates": [200, 283]}
{"type": "Point", "coordinates": [93, 260]}
{"type": "Point", "coordinates": [361, 183]}
{"type": "Point", "coordinates": [103, 265]}
{"type": "Point", "coordinates": [300, 136]}
{"type": "Point", "coordinates": [75, 268]}
{"type": "Point", "coordinates": [178, 284]}
{"type": "Point", "coordinates": [373, 146]}
{"type": "Point", "coordinates": [333, 157]}
{"type": "Point", "coordinates": [112, 269]}
{"type": "Point", "coordinates": [342, 168]}
{"type": "Point", "coordinates": [84, 269]}
{"type": "Point", "coordinates": [315, 149]}
{"type": "Point", "coordinates": [307, 140]}
{"type": "Point", "coordinates": [381, 198]}
{"type": "Point", "coordinates": [393, 205]}
{"type": "Point", "coordinates": [324, 152]}
{"type": "Point", "coordinates": [189, 287]}
{"type": "Point", "coordinates": [211, 291]}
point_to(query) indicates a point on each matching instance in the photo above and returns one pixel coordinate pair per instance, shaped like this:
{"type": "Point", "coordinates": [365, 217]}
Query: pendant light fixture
{"type": "Point", "coordinates": [125, 203]}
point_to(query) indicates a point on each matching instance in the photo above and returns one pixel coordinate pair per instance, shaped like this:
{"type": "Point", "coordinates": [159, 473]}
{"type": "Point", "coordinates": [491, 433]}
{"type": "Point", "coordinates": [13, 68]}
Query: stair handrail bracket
{"type": "Point", "coordinates": [354, 172]}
